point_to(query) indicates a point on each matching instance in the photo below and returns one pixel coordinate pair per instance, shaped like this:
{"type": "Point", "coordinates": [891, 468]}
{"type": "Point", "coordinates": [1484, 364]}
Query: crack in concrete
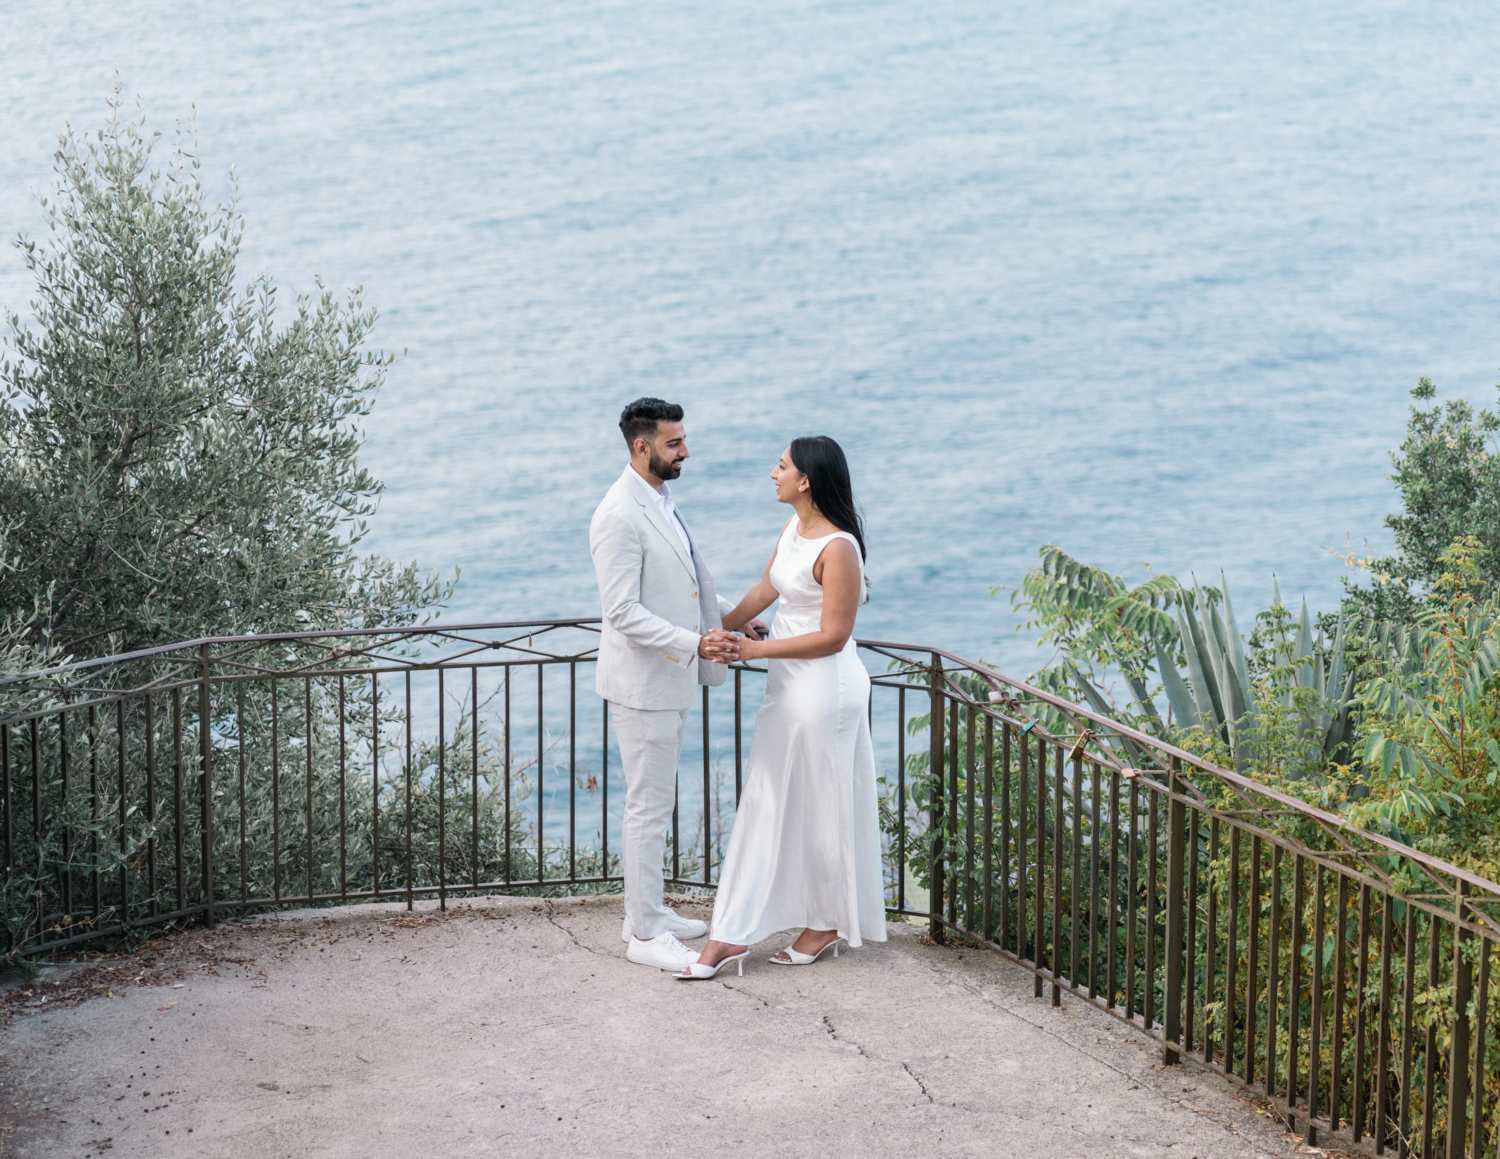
{"type": "Point", "coordinates": [827, 1024]}
{"type": "Point", "coordinates": [552, 917]}
{"type": "Point", "coordinates": [834, 1034]}
{"type": "Point", "coordinates": [863, 1053]}
{"type": "Point", "coordinates": [921, 1086]}
{"type": "Point", "coordinates": [747, 993]}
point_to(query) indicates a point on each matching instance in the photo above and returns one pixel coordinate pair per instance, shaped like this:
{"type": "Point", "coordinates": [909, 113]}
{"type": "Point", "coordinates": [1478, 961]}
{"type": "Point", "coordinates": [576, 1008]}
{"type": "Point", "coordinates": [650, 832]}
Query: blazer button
{"type": "Point", "coordinates": [695, 593]}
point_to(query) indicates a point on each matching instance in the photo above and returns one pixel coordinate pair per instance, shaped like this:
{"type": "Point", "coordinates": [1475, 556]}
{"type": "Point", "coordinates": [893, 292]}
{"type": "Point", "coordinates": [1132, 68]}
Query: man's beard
{"type": "Point", "coordinates": [664, 468]}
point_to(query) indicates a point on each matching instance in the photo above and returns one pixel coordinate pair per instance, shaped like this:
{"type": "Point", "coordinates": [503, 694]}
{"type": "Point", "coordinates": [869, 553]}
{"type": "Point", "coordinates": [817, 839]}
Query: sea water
{"type": "Point", "coordinates": [1150, 282]}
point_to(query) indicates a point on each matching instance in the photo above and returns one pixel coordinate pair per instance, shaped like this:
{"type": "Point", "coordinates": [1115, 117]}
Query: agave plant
{"type": "Point", "coordinates": [1218, 695]}
{"type": "Point", "coordinates": [1188, 640]}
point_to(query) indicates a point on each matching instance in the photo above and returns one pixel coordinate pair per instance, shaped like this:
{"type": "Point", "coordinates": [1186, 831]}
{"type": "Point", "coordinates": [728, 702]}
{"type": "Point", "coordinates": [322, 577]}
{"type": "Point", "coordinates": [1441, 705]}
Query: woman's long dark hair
{"type": "Point", "coordinates": [822, 461]}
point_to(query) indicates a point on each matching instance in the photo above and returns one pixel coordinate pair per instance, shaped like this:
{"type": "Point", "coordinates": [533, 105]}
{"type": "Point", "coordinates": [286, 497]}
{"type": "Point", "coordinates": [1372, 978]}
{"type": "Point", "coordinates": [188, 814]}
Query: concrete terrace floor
{"type": "Point", "coordinates": [516, 1027]}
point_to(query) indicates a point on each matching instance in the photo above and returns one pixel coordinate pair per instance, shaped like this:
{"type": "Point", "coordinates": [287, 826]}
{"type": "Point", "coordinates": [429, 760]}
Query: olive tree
{"type": "Point", "coordinates": [176, 460]}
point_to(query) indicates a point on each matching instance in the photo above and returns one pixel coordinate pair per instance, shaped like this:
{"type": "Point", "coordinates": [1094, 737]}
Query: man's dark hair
{"type": "Point", "coordinates": [639, 419]}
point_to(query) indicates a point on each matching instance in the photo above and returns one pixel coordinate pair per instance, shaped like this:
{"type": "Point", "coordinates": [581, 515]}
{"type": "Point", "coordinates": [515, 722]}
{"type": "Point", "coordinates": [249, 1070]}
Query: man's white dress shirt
{"type": "Point", "coordinates": [663, 500]}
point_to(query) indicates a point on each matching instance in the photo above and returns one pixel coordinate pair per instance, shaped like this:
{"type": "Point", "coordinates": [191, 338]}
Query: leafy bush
{"type": "Point", "coordinates": [1430, 705]}
{"type": "Point", "coordinates": [1448, 474]}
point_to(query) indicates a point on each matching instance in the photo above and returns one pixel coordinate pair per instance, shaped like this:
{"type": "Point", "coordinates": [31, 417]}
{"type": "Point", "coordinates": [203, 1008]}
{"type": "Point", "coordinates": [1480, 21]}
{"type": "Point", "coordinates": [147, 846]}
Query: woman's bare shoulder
{"type": "Point", "coordinates": [839, 552]}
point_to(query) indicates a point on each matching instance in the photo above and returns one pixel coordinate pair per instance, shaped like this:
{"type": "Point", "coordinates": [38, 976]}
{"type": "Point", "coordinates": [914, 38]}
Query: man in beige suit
{"type": "Point", "coordinates": [659, 606]}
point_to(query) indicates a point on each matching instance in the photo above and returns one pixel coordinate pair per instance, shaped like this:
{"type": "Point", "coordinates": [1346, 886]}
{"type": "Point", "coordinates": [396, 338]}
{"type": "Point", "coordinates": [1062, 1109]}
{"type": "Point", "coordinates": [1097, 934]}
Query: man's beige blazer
{"type": "Point", "coordinates": [657, 601]}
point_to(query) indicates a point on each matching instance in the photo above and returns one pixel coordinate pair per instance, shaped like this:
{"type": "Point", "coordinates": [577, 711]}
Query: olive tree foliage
{"type": "Point", "coordinates": [174, 462]}
{"type": "Point", "coordinates": [18, 653]}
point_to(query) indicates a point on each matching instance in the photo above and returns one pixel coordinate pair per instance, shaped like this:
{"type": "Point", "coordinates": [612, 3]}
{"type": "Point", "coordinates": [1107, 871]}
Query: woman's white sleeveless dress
{"type": "Point", "coordinates": [805, 850]}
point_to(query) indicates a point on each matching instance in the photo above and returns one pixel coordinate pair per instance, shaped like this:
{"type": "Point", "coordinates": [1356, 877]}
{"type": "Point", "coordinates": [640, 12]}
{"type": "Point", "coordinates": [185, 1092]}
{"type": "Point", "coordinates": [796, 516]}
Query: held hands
{"type": "Point", "coordinates": [725, 647]}
{"type": "Point", "coordinates": [720, 646]}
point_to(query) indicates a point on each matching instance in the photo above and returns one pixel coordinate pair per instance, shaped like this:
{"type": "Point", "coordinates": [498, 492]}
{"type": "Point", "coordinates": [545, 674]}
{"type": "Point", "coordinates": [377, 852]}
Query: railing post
{"type": "Point", "coordinates": [1458, 1059]}
{"type": "Point", "coordinates": [936, 867]}
{"type": "Point", "coordinates": [1176, 856]}
{"type": "Point", "coordinates": [1059, 829]}
{"type": "Point", "coordinates": [206, 786]}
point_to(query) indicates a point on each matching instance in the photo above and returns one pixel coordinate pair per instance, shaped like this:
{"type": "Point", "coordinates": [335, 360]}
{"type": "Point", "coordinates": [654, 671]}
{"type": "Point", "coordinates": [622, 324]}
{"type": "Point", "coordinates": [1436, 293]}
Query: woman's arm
{"type": "Point", "coordinates": [757, 599]}
{"type": "Point", "coordinates": [839, 563]}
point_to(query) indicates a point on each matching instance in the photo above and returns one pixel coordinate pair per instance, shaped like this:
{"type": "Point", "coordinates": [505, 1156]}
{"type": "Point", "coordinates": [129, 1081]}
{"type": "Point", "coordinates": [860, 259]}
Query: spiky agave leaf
{"type": "Point", "coordinates": [1203, 667]}
{"type": "Point", "coordinates": [1336, 672]}
{"type": "Point", "coordinates": [1304, 643]}
{"type": "Point", "coordinates": [1237, 697]}
{"type": "Point", "coordinates": [1178, 696]}
{"type": "Point", "coordinates": [1204, 695]}
{"type": "Point", "coordinates": [1236, 642]}
{"type": "Point", "coordinates": [1341, 719]}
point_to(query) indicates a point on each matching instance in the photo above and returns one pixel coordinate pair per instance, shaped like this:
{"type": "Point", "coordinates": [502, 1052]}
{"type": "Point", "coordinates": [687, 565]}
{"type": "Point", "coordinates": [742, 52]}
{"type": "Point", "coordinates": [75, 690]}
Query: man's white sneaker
{"type": "Point", "coordinates": [676, 924]}
{"type": "Point", "coordinates": [664, 952]}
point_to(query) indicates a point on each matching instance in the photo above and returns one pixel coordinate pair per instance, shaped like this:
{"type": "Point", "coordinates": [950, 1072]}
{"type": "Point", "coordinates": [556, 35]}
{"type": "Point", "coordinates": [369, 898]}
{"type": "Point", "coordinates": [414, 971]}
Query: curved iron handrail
{"type": "Point", "coordinates": [1331, 822]}
{"type": "Point", "coordinates": [290, 637]}
{"type": "Point", "coordinates": [1337, 826]}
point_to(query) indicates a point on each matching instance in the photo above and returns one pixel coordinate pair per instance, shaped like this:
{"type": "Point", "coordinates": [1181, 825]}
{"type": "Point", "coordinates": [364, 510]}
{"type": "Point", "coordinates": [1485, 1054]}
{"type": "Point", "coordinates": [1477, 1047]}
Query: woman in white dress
{"type": "Point", "coordinates": [805, 850]}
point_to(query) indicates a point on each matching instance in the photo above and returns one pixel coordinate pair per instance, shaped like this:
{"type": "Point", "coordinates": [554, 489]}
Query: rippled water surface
{"type": "Point", "coordinates": [1149, 281]}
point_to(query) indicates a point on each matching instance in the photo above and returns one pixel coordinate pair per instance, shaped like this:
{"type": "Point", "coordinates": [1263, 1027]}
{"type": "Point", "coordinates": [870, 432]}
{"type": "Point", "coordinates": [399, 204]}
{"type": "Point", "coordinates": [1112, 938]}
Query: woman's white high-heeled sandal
{"type": "Point", "coordinates": [798, 958]}
{"type": "Point", "coordinates": [697, 971]}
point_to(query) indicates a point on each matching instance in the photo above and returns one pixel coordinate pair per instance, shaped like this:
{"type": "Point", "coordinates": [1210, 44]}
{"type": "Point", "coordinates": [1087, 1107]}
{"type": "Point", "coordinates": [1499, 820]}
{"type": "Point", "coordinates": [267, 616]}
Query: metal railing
{"type": "Point", "coordinates": [1346, 976]}
{"type": "Point", "coordinates": [1343, 974]}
